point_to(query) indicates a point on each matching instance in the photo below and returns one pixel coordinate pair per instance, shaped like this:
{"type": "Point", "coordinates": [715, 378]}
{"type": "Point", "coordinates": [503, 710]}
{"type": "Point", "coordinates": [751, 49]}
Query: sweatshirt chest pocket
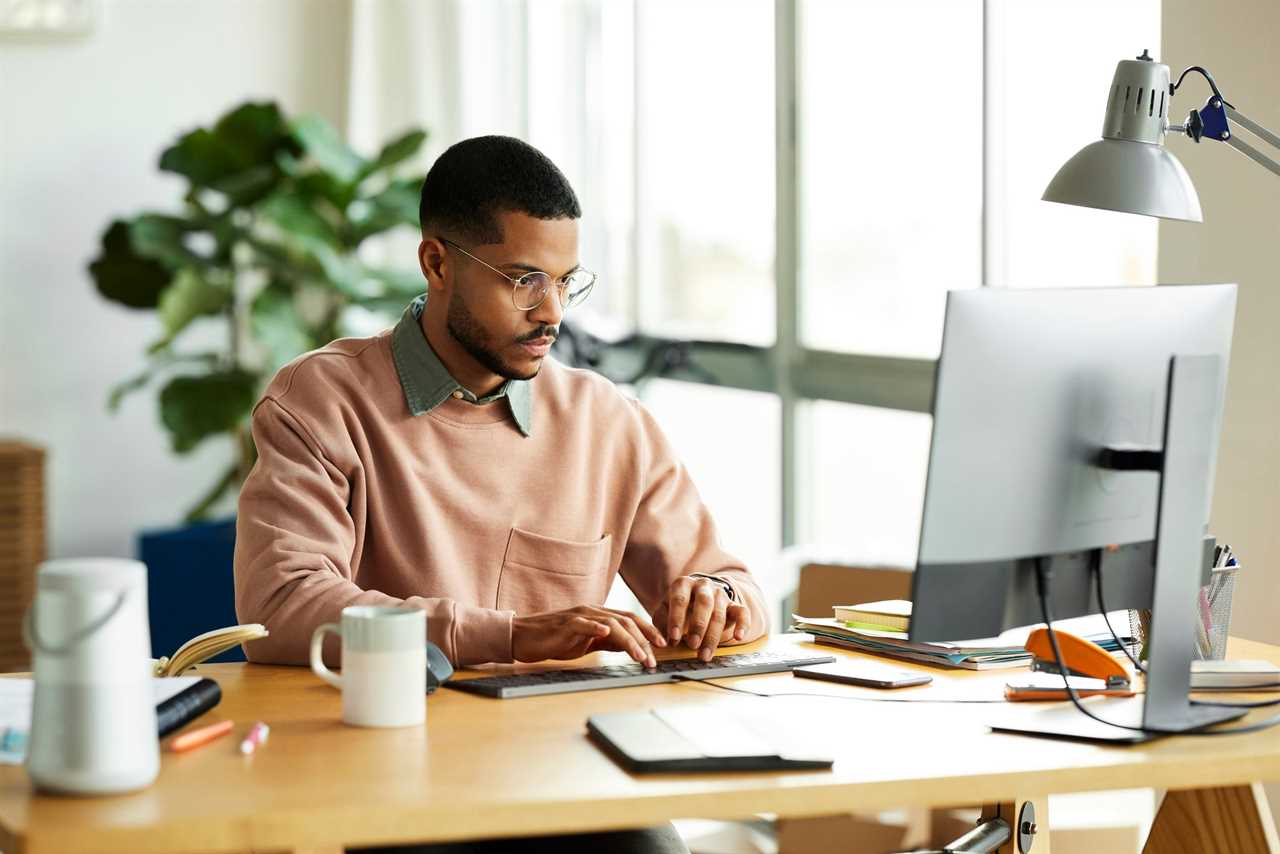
{"type": "Point", "coordinates": [542, 573]}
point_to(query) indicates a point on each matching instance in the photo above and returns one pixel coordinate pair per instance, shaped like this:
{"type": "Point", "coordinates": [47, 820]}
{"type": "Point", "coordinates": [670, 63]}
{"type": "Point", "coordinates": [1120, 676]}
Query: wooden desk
{"type": "Point", "coordinates": [486, 767]}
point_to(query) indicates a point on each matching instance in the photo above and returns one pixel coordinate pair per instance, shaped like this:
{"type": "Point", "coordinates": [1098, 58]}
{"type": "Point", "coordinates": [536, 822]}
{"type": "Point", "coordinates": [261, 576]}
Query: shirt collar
{"type": "Point", "coordinates": [427, 383]}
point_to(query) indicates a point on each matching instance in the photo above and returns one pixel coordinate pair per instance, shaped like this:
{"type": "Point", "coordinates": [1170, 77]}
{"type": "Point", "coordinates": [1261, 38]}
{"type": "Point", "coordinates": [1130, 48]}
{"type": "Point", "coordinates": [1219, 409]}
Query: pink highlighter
{"type": "Point", "coordinates": [255, 738]}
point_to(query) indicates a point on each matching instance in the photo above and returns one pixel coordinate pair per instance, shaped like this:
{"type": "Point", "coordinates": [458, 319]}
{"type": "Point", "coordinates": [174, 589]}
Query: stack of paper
{"type": "Point", "coordinates": [1007, 650]}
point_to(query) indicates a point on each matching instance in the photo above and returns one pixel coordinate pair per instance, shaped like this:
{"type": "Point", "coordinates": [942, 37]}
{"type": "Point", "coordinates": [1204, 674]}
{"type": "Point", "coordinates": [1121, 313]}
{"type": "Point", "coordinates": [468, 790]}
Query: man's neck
{"type": "Point", "coordinates": [460, 364]}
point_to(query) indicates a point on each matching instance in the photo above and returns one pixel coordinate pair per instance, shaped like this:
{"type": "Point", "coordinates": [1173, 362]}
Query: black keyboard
{"type": "Point", "coordinates": [626, 675]}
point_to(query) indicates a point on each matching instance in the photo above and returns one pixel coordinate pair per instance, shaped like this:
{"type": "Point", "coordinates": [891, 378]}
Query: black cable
{"type": "Point", "coordinates": [1173, 88]}
{"type": "Point", "coordinates": [1042, 590]}
{"type": "Point", "coordinates": [680, 677]}
{"type": "Point", "coordinates": [1096, 567]}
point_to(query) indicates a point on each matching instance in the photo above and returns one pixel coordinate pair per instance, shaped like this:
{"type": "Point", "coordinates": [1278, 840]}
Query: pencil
{"type": "Point", "coordinates": [199, 737]}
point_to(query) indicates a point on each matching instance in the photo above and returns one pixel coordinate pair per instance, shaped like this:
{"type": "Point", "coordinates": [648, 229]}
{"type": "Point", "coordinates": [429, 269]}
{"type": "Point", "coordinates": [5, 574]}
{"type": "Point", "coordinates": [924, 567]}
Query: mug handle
{"type": "Point", "coordinates": [317, 654]}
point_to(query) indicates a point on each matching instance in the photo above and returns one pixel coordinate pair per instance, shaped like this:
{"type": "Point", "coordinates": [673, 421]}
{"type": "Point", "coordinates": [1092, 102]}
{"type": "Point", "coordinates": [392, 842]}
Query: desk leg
{"type": "Point", "coordinates": [1009, 811]}
{"type": "Point", "coordinates": [1227, 820]}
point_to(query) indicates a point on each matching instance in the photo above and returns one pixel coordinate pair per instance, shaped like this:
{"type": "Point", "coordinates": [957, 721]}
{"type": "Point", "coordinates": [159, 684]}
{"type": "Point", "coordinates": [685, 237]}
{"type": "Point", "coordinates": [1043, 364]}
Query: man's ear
{"type": "Point", "coordinates": [431, 259]}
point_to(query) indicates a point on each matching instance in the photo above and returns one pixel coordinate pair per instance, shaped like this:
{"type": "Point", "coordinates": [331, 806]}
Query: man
{"type": "Point", "coordinates": [449, 465]}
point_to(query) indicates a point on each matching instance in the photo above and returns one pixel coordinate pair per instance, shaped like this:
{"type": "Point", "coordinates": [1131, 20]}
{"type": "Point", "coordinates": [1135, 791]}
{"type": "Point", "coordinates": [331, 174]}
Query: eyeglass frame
{"type": "Point", "coordinates": [560, 284]}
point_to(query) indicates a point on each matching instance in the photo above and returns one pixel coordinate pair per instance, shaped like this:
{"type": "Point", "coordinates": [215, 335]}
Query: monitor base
{"type": "Point", "coordinates": [1063, 720]}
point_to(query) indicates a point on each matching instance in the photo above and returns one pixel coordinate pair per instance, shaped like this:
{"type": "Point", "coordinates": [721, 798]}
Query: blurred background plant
{"type": "Point", "coordinates": [268, 245]}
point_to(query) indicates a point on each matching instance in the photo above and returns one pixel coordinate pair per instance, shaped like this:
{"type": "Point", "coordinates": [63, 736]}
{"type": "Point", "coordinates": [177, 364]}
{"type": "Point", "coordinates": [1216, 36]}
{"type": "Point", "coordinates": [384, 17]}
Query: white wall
{"type": "Point", "coordinates": [82, 124]}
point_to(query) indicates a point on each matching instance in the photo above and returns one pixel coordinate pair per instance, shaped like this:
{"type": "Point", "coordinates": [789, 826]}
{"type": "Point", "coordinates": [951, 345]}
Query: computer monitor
{"type": "Point", "coordinates": [1034, 388]}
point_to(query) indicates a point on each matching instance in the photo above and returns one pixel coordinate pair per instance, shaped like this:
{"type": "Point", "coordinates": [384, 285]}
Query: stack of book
{"type": "Point", "coordinates": [880, 628]}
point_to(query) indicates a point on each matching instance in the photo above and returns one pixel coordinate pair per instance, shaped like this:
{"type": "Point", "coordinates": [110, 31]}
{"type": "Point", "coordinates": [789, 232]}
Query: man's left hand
{"type": "Point", "coordinates": [700, 613]}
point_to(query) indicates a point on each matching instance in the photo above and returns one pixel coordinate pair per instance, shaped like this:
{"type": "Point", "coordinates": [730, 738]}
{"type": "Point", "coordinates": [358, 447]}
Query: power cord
{"type": "Point", "coordinates": [1096, 568]}
{"type": "Point", "coordinates": [1043, 574]}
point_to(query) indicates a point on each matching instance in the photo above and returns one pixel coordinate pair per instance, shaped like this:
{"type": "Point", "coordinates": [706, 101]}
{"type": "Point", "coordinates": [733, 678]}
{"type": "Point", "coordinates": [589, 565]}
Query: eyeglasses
{"type": "Point", "coordinates": [529, 291]}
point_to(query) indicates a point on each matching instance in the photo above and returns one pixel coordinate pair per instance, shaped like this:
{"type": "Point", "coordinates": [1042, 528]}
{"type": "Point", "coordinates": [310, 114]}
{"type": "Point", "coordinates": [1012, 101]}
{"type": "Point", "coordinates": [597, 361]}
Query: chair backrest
{"type": "Point", "coordinates": [824, 585]}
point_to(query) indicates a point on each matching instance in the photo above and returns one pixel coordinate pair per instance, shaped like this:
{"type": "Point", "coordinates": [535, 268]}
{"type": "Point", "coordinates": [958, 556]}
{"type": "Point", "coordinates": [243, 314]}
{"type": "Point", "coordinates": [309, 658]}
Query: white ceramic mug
{"type": "Point", "coordinates": [384, 665]}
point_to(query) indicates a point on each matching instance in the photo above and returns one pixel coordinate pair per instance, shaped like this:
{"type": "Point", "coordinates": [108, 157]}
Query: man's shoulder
{"type": "Point", "coordinates": [561, 386]}
{"type": "Point", "coordinates": [329, 373]}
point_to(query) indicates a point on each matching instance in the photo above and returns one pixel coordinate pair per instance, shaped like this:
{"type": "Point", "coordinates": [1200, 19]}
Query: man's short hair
{"type": "Point", "coordinates": [478, 178]}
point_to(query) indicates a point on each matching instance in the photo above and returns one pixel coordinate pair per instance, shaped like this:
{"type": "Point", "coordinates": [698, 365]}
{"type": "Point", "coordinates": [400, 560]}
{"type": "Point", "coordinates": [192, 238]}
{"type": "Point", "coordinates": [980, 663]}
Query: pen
{"type": "Point", "coordinates": [255, 738]}
{"type": "Point", "coordinates": [200, 737]}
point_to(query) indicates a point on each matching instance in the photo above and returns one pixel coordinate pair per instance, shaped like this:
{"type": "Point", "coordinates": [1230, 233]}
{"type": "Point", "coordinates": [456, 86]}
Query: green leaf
{"type": "Point", "coordinates": [323, 144]}
{"type": "Point", "coordinates": [396, 151]}
{"type": "Point", "coordinates": [160, 237]}
{"type": "Point", "coordinates": [277, 325]}
{"type": "Point", "coordinates": [189, 297]}
{"type": "Point", "coordinates": [325, 186]}
{"type": "Point", "coordinates": [404, 284]}
{"type": "Point", "coordinates": [245, 187]}
{"type": "Point", "coordinates": [238, 157]}
{"type": "Point", "coordinates": [194, 408]}
{"type": "Point", "coordinates": [297, 217]}
{"type": "Point", "coordinates": [122, 389]}
{"type": "Point", "coordinates": [344, 271]}
{"type": "Point", "coordinates": [124, 276]}
{"type": "Point", "coordinates": [396, 204]}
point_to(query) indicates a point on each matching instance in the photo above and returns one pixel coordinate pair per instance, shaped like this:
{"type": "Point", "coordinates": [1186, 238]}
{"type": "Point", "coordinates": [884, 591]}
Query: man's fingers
{"type": "Point", "coordinates": [738, 618]}
{"type": "Point", "coordinates": [650, 631]}
{"type": "Point", "coordinates": [588, 627]}
{"type": "Point", "coordinates": [677, 608]}
{"type": "Point", "coordinates": [700, 610]}
{"type": "Point", "coordinates": [711, 637]}
{"type": "Point", "coordinates": [631, 643]}
{"type": "Point", "coordinates": [633, 627]}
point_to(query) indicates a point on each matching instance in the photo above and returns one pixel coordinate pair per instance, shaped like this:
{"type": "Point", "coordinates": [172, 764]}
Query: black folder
{"type": "Point", "coordinates": [692, 739]}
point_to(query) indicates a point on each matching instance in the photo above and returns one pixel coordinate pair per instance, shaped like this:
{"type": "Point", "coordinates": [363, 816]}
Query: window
{"type": "Point", "coordinates": [705, 168]}
{"type": "Point", "coordinates": [796, 184]}
{"type": "Point", "coordinates": [890, 156]}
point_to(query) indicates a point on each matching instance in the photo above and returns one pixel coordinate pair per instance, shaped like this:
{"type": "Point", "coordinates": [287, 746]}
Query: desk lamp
{"type": "Point", "coordinates": [1129, 170]}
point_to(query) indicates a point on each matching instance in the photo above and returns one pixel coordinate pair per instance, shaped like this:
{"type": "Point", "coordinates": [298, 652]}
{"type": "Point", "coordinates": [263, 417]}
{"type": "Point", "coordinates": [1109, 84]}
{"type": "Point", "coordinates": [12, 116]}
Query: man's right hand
{"type": "Point", "coordinates": [574, 632]}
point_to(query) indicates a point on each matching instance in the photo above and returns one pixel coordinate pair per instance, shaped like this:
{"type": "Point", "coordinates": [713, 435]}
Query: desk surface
{"type": "Point", "coordinates": [485, 767]}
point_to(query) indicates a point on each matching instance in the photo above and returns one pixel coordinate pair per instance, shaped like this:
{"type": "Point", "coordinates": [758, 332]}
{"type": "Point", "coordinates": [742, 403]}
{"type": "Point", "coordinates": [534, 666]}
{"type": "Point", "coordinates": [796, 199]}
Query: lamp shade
{"type": "Point", "coordinates": [1127, 176]}
{"type": "Point", "coordinates": [1129, 170]}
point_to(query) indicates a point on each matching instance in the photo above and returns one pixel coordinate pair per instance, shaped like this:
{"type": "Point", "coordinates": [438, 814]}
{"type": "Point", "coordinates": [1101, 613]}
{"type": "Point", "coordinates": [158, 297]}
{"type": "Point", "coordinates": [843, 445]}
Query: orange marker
{"type": "Point", "coordinates": [200, 737]}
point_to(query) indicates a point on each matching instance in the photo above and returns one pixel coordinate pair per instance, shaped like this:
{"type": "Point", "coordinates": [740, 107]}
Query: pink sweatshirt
{"type": "Point", "coordinates": [356, 501]}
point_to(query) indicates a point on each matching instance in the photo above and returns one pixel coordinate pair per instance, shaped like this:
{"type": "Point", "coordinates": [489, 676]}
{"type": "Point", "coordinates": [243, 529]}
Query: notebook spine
{"type": "Point", "coordinates": [187, 705]}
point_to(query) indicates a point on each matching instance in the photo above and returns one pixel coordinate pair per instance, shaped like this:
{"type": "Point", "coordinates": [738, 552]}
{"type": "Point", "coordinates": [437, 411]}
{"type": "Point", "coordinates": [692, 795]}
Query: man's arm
{"type": "Point", "coordinates": [673, 537]}
{"type": "Point", "coordinates": [295, 542]}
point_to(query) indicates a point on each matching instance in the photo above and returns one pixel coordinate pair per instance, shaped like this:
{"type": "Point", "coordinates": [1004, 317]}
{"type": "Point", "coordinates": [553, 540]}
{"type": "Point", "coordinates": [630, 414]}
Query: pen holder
{"type": "Point", "coordinates": [1213, 612]}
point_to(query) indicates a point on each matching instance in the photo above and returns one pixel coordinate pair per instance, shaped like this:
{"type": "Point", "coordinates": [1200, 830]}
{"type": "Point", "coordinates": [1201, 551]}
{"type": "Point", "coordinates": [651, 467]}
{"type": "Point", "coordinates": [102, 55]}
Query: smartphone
{"type": "Point", "coordinates": [859, 673]}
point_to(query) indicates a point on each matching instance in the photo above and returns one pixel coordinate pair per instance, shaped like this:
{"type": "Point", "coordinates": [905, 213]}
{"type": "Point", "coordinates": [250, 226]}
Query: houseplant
{"type": "Point", "coordinates": [266, 250]}
{"type": "Point", "coordinates": [267, 245]}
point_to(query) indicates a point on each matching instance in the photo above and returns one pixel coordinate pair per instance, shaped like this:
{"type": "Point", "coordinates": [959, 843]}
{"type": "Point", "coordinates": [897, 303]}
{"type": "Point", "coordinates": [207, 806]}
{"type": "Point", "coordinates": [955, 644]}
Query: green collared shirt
{"type": "Point", "coordinates": [427, 383]}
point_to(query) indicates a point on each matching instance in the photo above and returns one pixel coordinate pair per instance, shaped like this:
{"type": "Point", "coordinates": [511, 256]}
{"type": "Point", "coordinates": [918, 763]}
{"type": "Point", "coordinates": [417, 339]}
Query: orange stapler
{"type": "Point", "coordinates": [1092, 670]}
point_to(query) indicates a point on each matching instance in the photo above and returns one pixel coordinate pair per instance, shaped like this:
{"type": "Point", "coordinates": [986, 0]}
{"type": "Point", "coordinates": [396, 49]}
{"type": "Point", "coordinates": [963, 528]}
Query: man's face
{"type": "Point", "coordinates": [481, 316]}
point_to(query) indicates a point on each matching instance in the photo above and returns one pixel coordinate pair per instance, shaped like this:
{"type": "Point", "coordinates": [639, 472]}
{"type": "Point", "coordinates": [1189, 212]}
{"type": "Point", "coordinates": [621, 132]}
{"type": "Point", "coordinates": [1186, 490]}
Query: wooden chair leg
{"type": "Point", "coordinates": [1227, 820]}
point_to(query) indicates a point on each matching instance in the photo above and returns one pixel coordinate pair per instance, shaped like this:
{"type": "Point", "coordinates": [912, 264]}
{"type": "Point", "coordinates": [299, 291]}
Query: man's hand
{"type": "Point", "coordinates": [700, 613]}
{"type": "Point", "coordinates": [574, 632]}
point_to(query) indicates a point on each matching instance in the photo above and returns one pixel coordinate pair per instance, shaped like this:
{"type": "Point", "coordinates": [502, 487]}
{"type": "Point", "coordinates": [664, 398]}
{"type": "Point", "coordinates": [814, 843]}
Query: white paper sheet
{"type": "Point", "coordinates": [15, 711]}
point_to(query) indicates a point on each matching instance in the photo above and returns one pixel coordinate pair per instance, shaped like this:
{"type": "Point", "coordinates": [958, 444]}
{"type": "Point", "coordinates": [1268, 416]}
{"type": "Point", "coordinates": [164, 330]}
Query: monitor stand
{"type": "Point", "coordinates": [1184, 467]}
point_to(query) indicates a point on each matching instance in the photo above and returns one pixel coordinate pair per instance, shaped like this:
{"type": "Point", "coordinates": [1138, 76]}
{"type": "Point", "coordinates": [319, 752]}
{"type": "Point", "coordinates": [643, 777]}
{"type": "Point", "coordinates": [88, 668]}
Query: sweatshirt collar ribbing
{"type": "Point", "coordinates": [427, 383]}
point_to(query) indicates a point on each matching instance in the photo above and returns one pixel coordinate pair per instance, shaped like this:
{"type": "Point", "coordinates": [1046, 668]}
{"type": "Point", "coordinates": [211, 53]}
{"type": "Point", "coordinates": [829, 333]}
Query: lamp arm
{"type": "Point", "coordinates": [1211, 122]}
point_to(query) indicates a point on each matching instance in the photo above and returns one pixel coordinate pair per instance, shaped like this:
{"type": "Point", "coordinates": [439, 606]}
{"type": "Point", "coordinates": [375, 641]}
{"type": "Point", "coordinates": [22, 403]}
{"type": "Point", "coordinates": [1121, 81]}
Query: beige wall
{"type": "Point", "coordinates": [1239, 241]}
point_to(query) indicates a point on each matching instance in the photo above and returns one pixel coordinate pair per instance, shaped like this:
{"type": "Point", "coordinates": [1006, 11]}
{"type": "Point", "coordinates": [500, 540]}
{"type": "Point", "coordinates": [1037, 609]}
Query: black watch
{"type": "Point", "coordinates": [728, 588]}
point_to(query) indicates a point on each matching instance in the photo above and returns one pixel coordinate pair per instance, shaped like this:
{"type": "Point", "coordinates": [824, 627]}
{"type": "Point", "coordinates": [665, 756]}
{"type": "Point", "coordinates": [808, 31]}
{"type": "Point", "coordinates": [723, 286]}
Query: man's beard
{"type": "Point", "coordinates": [468, 332]}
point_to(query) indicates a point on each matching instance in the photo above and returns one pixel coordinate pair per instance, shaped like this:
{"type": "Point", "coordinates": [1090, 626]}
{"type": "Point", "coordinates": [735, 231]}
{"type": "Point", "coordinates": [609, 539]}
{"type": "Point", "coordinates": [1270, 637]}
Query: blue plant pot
{"type": "Point", "coordinates": [190, 587]}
